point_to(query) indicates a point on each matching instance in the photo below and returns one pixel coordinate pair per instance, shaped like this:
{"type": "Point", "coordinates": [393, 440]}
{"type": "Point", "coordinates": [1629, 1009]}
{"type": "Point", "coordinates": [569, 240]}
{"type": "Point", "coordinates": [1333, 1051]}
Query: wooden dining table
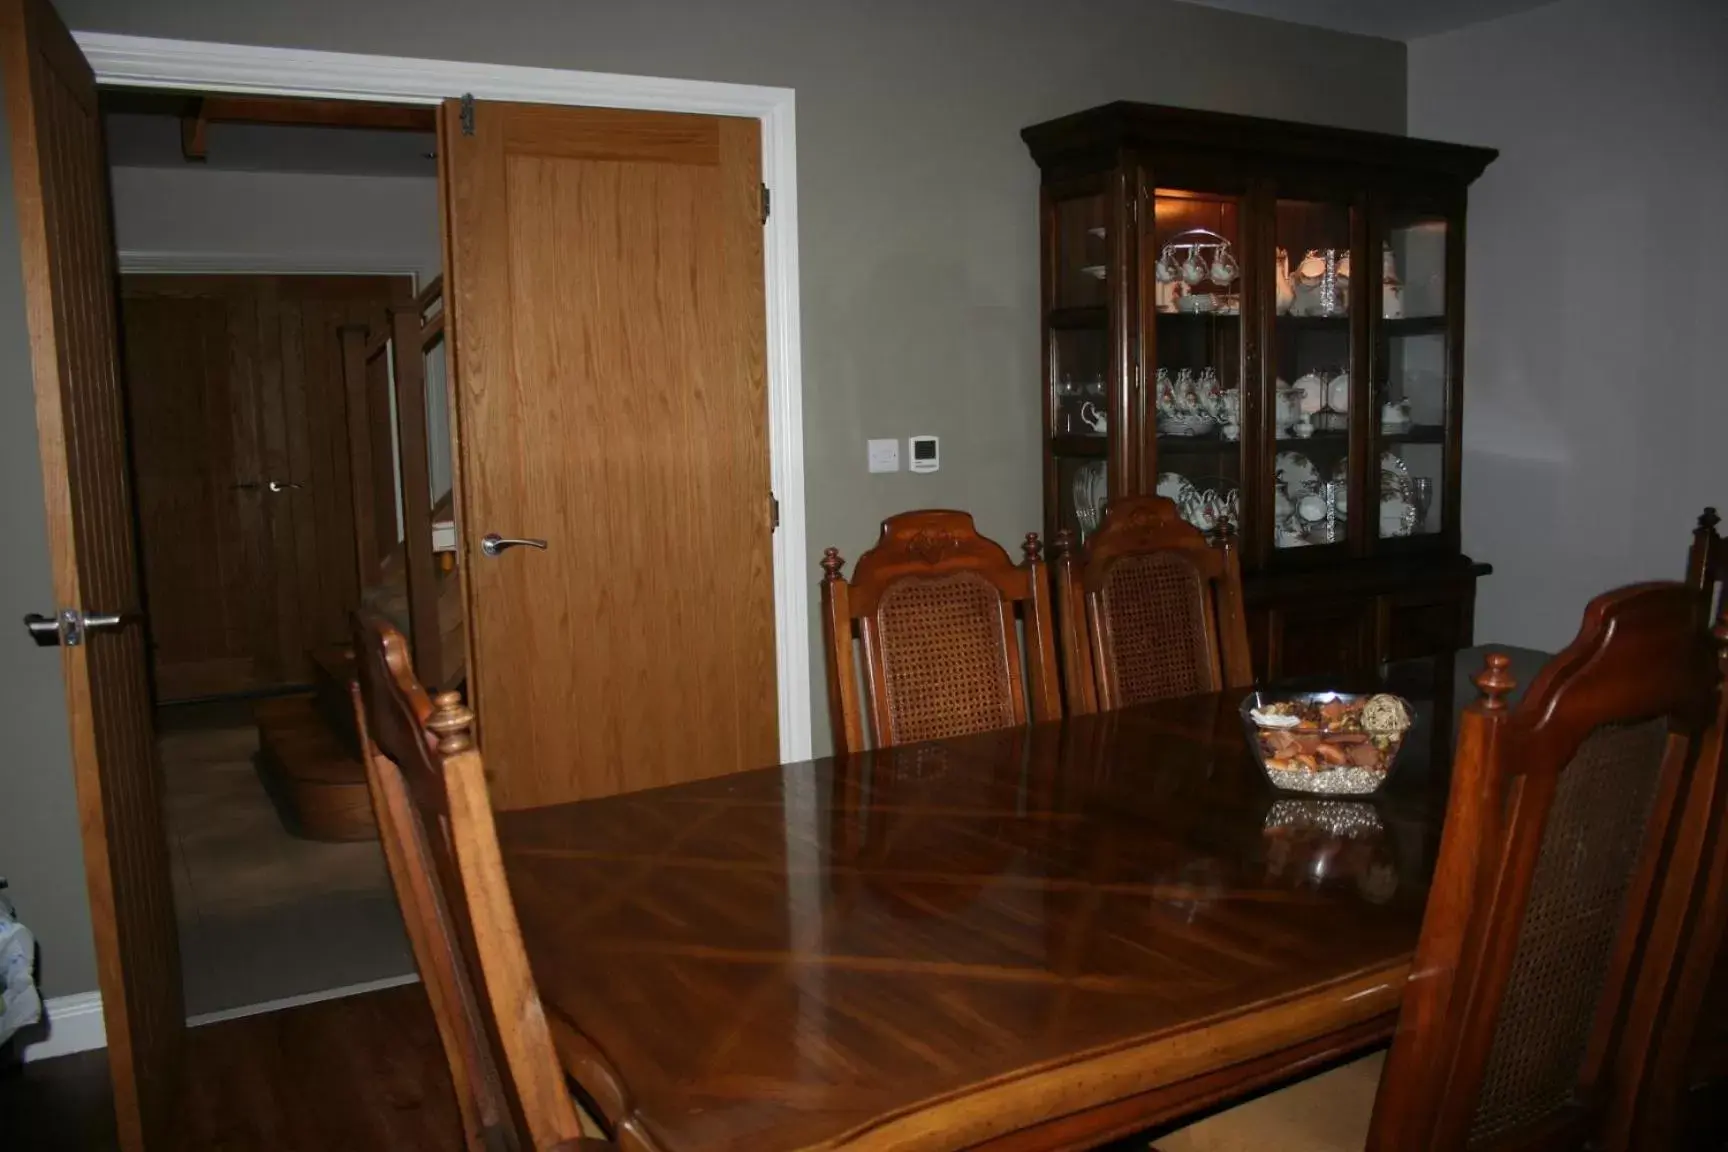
{"type": "Point", "coordinates": [1045, 937]}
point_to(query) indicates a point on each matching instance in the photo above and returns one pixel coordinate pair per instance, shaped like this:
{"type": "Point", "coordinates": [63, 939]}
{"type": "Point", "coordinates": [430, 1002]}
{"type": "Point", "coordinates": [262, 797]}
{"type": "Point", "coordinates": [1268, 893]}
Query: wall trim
{"type": "Point", "coordinates": [75, 1024]}
{"type": "Point", "coordinates": [142, 260]}
{"type": "Point", "coordinates": [145, 62]}
{"type": "Point", "coordinates": [302, 1000]}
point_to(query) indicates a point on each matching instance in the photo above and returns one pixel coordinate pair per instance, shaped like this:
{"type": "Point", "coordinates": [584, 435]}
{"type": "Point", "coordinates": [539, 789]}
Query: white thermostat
{"type": "Point", "coordinates": [925, 453]}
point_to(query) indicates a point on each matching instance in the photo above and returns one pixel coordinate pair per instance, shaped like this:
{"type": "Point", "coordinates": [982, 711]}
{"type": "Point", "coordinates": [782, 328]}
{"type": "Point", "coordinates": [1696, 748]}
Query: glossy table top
{"type": "Point", "coordinates": [939, 945]}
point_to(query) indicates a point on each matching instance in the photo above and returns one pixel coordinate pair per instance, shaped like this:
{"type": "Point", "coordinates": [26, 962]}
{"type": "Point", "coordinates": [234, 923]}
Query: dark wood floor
{"type": "Point", "coordinates": [361, 1073]}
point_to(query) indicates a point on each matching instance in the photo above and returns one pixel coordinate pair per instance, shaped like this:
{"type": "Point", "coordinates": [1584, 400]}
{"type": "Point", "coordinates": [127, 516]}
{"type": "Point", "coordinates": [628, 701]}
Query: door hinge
{"type": "Point", "coordinates": [467, 113]}
{"type": "Point", "coordinates": [773, 512]}
{"type": "Point", "coordinates": [766, 199]}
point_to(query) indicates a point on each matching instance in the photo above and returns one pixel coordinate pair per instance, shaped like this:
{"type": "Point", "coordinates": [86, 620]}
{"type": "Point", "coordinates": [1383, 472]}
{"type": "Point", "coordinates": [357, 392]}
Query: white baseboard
{"type": "Point", "coordinates": [74, 1025]}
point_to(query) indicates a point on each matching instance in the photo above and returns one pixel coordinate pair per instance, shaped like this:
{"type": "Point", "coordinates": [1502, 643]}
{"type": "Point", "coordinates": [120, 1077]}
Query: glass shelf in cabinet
{"type": "Point", "coordinates": [1315, 323]}
{"type": "Point", "coordinates": [1078, 444]}
{"type": "Point", "coordinates": [1416, 434]}
{"type": "Point", "coordinates": [1214, 445]}
{"type": "Point", "coordinates": [1415, 326]}
{"type": "Point", "coordinates": [1089, 318]}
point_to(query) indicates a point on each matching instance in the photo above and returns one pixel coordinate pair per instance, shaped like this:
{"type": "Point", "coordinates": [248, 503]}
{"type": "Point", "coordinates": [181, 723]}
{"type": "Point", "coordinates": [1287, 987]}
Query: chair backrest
{"type": "Point", "coordinates": [435, 822]}
{"type": "Point", "coordinates": [1707, 563]}
{"type": "Point", "coordinates": [1149, 609]}
{"type": "Point", "coordinates": [933, 605]}
{"type": "Point", "coordinates": [1538, 932]}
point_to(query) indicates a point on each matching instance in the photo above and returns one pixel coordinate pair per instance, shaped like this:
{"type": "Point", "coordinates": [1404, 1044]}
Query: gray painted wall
{"type": "Point", "coordinates": [1598, 283]}
{"type": "Point", "coordinates": [40, 853]}
{"type": "Point", "coordinates": [918, 201]}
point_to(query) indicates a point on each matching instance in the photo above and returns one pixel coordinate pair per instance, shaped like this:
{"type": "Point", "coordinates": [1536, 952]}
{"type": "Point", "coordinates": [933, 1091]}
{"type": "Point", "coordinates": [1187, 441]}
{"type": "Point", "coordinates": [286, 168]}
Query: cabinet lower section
{"type": "Point", "coordinates": [1347, 621]}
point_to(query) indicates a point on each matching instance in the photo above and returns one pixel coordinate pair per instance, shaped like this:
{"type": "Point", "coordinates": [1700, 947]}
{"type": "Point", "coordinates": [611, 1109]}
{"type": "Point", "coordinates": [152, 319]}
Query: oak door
{"type": "Point", "coordinates": [240, 443]}
{"type": "Point", "coordinates": [607, 318]}
{"type": "Point", "coordinates": [66, 253]}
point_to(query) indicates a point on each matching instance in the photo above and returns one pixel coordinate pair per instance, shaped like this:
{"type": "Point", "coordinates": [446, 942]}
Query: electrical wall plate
{"type": "Point", "coordinates": [925, 453]}
{"type": "Point", "coordinates": [883, 455]}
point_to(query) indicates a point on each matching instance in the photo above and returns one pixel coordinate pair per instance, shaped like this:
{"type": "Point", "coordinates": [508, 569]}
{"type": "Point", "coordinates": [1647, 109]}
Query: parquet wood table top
{"type": "Point", "coordinates": [1038, 937]}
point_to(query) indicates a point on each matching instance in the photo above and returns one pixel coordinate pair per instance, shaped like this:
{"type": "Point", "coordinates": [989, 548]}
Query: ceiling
{"type": "Point", "coordinates": [1390, 19]}
{"type": "Point", "coordinates": [143, 131]}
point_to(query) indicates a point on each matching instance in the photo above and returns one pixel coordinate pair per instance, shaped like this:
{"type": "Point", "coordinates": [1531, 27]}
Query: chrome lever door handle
{"type": "Point", "coordinates": [45, 630]}
{"type": "Point", "coordinates": [69, 628]}
{"type": "Point", "coordinates": [282, 486]}
{"type": "Point", "coordinates": [491, 544]}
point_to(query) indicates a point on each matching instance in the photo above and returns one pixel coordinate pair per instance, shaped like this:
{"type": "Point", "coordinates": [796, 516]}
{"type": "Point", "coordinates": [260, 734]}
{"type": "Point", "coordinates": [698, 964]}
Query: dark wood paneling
{"type": "Point", "coordinates": [190, 423]}
{"type": "Point", "coordinates": [236, 382]}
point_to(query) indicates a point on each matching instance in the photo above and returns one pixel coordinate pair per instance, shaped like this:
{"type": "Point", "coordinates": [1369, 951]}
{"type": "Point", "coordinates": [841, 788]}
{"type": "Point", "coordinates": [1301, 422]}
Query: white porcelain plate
{"type": "Point", "coordinates": [1178, 488]}
{"type": "Point", "coordinates": [1297, 474]}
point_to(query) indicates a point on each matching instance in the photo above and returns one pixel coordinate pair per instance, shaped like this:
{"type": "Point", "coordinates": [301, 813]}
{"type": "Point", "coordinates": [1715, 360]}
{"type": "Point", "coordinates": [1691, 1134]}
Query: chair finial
{"type": "Point", "coordinates": [1063, 544]}
{"type": "Point", "coordinates": [1032, 547]}
{"type": "Point", "coordinates": [832, 562]}
{"type": "Point", "coordinates": [1708, 520]}
{"type": "Point", "coordinates": [1494, 681]}
{"type": "Point", "coordinates": [450, 721]}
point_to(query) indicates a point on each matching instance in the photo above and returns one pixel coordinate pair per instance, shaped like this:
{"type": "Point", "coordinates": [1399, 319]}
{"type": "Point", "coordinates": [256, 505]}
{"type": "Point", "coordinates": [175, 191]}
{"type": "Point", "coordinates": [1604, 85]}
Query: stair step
{"type": "Point", "coordinates": [333, 671]}
{"type": "Point", "coordinates": [316, 784]}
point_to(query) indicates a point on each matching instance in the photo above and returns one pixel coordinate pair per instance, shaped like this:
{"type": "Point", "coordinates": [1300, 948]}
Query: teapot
{"type": "Point", "coordinates": [1164, 394]}
{"type": "Point", "coordinates": [1286, 288]}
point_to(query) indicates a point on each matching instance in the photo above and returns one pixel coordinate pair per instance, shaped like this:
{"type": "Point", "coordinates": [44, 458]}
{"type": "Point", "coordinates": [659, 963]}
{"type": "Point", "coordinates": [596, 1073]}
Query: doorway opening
{"type": "Point", "coordinates": [267, 249]}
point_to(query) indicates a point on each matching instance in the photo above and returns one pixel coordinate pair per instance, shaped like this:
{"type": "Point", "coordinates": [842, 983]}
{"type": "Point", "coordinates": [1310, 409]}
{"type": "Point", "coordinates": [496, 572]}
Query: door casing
{"type": "Point", "coordinates": [148, 62]}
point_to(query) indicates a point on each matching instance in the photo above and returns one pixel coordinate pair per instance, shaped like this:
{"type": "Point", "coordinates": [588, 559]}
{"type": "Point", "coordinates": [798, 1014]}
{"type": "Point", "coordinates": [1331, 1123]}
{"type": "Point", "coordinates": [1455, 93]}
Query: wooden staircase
{"type": "Point", "coordinates": [309, 756]}
{"type": "Point", "coordinates": [308, 747]}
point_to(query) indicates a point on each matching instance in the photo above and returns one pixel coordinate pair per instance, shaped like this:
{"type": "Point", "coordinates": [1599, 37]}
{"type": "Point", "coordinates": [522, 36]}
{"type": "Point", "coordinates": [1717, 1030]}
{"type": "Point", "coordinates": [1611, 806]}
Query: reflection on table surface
{"type": "Point", "coordinates": [772, 958]}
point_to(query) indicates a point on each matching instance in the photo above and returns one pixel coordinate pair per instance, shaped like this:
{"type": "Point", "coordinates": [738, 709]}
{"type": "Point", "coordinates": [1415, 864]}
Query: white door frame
{"type": "Point", "coordinates": [144, 62]}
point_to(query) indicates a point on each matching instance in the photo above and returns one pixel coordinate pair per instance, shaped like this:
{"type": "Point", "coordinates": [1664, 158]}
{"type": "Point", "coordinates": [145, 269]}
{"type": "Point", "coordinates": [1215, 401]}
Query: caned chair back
{"type": "Point", "coordinates": [933, 606]}
{"type": "Point", "coordinates": [435, 823]}
{"type": "Point", "coordinates": [1545, 941]}
{"type": "Point", "coordinates": [1707, 563]}
{"type": "Point", "coordinates": [1149, 609]}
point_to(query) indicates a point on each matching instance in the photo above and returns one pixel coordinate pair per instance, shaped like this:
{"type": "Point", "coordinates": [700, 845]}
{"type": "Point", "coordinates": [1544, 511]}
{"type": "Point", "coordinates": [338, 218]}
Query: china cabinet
{"type": "Point", "coordinates": [1264, 322]}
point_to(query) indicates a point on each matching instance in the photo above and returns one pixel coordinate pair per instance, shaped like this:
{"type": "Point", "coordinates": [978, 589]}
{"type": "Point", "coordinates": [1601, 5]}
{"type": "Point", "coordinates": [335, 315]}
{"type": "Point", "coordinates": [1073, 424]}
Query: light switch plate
{"type": "Point", "coordinates": [884, 455]}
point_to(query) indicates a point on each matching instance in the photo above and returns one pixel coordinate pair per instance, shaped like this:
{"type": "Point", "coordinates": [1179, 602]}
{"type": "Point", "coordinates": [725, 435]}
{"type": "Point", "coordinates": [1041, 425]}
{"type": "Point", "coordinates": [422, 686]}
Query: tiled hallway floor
{"type": "Point", "coordinates": [263, 916]}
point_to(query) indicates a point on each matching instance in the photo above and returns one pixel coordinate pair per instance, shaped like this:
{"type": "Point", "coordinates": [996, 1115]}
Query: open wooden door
{"type": "Point", "coordinates": [60, 176]}
{"type": "Point", "coordinates": [607, 329]}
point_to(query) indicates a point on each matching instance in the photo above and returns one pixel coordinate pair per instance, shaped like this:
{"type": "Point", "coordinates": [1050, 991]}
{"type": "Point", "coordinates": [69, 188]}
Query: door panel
{"type": "Point", "coordinates": [233, 382]}
{"type": "Point", "coordinates": [607, 332]}
{"type": "Point", "coordinates": [194, 439]}
{"type": "Point", "coordinates": [67, 256]}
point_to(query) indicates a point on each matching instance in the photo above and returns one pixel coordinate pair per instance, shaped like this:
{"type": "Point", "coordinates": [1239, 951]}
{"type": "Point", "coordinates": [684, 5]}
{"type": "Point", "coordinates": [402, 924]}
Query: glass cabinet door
{"type": "Point", "coordinates": [1195, 356]}
{"type": "Point", "coordinates": [1411, 375]}
{"type": "Point", "coordinates": [1310, 358]}
{"type": "Point", "coordinates": [1078, 372]}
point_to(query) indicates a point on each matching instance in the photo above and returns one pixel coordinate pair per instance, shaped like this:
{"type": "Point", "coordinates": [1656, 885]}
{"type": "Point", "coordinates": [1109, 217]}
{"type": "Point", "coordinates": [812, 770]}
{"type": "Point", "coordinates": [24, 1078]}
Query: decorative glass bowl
{"type": "Point", "coordinates": [1334, 743]}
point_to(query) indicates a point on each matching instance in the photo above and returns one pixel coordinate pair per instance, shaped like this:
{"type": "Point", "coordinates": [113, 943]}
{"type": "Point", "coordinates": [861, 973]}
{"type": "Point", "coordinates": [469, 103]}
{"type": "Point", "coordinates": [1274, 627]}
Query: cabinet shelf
{"type": "Point", "coordinates": [1213, 445]}
{"type": "Point", "coordinates": [1414, 326]}
{"type": "Point", "coordinates": [1095, 318]}
{"type": "Point", "coordinates": [1187, 319]}
{"type": "Point", "coordinates": [1417, 434]}
{"type": "Point", "coordinates": [1079, 444]}
{"type": "Point", "coordinates": [1289, 323]}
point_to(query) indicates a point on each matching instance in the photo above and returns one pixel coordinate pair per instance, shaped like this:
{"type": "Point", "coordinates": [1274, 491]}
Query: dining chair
{"type": "Point", "coordinates": [1149, 609]}
{"type": "Point", "coordinates": [435, 823]}
{"type": "Point", "coordinates": [1707, 562]}
{"type": "Point", "coordinates": [1548, 945]}
{"type": "Point", "coordinates": [933, 606]}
